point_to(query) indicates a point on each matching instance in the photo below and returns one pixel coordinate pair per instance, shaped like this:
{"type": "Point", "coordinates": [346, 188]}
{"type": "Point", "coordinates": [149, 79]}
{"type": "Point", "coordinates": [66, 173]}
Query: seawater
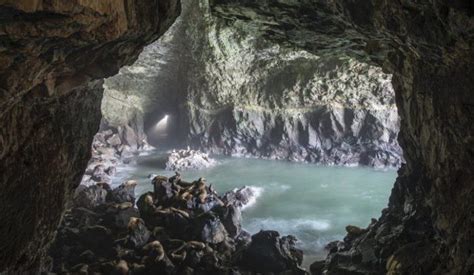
{"type": "Point", "coordinates": [313, 203]}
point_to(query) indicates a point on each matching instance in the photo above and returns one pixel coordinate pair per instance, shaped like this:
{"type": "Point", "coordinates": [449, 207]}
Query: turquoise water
{"type": "Point", "coordinates": [312, 202]}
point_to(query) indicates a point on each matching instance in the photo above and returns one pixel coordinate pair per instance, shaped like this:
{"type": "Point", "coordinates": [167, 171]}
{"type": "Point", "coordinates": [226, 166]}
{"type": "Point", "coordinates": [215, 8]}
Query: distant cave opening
{"type": "Point", "coordinates": [331, 111]}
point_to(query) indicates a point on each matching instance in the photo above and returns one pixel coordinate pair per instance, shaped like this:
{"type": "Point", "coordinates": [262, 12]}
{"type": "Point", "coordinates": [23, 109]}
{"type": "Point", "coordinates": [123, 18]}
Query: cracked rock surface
{"type": "Point", "coordinates": [53, 57]}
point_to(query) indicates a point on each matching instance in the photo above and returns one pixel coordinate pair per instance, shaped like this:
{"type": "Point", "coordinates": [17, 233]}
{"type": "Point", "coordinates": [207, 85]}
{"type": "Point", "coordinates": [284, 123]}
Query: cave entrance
{"type": "Point", "coordinates": [321, 130]}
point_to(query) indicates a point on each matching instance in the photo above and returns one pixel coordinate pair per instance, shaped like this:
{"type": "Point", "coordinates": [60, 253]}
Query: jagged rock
{"type": "Point", "coordinates": [119, 215]}
{"type": "Point", "coordinates": [209, 229]}
{"type": "Point", "coordinates": [231, 218]}
{"type": "Point", "coordinates": [267, 252]}
{"type": "Point", "coordinates": [124, 192]}
{"type": "Point", "coordinates": [90, 197]}
{"type": "Point", "coordinates": [99, 174]}
{"type": "Point", "coordinates": [97, 238]}
{"type": "Point", "coordinates": [138, 234]}
{"type": "Point", "coordinates": [240, 197]}
{"type": "Point", "coordinates": [188, 159]}
{"type": "Point", "coordinates": [294, 104]}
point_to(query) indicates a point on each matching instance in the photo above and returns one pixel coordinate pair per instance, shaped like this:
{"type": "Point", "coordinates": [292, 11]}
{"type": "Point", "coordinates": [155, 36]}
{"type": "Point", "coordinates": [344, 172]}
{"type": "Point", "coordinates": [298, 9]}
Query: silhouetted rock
{"type": "Point", "coordinates": [267, 252]}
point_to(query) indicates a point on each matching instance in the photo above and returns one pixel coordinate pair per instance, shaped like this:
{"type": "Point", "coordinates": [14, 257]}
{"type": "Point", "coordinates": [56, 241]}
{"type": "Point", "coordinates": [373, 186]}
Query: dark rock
{"type": "Point", "coordinates": [208, 228]}
{"type": "Point", "coordinates": [317, 268]}
{"type": "Point", "coordinates": [269, 253]}
{"type": "Point", "coordinates": [138, 234]}
{"type": "Point", "coordinates": [91, 197]}
{"type": "Point", "coordinates": [239, 197]}
{"type": "Point", "coordinates": [118, 216]}
{"type": "Point", "coordinates": [231, 218]}
{"type": "Point", "coordinates": [124, 193]}
{"type": "Point", "coordinates": [97, 238]}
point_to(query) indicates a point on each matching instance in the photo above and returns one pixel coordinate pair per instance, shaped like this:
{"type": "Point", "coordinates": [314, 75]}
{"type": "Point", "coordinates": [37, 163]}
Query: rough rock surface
{"type": "Point", "coordinates": [186, 159]}
{"type": "Point", "coordinates": [53, 56]}
{"type": "Point", "coordinates": [231, 90]}
{"type": "Point", "coordinates": [429, 48]}
{"type": "Point", "coordinates": [180, 228]}
{"type": "Point", "coordinates": [112, 146]}
{"type": "Point", "coordinates": [427, 45]}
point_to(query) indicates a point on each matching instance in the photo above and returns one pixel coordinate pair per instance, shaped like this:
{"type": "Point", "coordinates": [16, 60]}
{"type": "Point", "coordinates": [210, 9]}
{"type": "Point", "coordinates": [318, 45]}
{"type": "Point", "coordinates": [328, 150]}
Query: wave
{"type": "Point", "coordinates": [275, 186]}
{"type": "Point", "coordinates": [255, 193]}
{"type": "Point", "coordinates": [287, 226]}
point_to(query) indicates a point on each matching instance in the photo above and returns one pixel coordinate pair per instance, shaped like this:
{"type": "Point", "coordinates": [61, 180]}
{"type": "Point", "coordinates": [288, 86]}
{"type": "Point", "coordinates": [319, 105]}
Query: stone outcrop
{"type": "Point", "coordinates": [53, 57]}
{"type": "Point", "coordinates": [231, 90]}
{"type": "Point", "coordinates": [180, 228]}
{"type": "Point", "coordinates": [54, 52]}
{"type": "Point", "coordinates": [428, 47]}
{"type": "Point", "coordinates": [180, 160]}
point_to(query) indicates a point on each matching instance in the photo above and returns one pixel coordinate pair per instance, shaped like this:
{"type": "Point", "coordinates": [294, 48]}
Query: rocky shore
{"type": "Point", "coordinates": [112, 146]}
{"type": "Point", "coordinates": [179, 228]}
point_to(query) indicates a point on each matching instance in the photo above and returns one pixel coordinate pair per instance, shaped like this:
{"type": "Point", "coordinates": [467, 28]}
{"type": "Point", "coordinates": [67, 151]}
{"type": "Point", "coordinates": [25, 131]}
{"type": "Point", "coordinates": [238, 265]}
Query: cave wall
{"type": "Point", "coordinates": [428, 47]}
{"type": "Point", "coordinates": [54, 52]}
{"type": "Point", "coordinates": [54, 55]}
{"type": "Point", "coordinates": [232, 90]}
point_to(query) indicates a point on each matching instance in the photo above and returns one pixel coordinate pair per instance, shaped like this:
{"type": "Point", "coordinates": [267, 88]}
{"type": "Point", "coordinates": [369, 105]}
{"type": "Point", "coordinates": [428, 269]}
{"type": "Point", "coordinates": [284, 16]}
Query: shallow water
{"type": "Point", "coordinates": [312, 202]}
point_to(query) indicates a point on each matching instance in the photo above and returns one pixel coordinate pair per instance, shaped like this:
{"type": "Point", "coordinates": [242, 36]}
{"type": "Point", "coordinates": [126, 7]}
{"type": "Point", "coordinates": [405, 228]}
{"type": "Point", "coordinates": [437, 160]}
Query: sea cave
{"type": "Point", "coordinates": [236, 137]}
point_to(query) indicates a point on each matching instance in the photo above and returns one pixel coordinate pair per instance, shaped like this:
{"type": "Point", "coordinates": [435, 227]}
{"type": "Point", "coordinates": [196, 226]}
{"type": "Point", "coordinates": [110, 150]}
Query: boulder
{"type": "Point", "coordinates": [209, 228]}
{"type": "Point", "coordinates": [268, 252]}
{"type": "Point", "coordinates": [125, 192]}
{"type": "Point", "coordinates": [90, 197]}
{"type": "Point", "coordinates": [231, 218]}
{"type": "Point", "coordinates": [138, 234]}
{"type": "Point", "coordinates": [188, 159]}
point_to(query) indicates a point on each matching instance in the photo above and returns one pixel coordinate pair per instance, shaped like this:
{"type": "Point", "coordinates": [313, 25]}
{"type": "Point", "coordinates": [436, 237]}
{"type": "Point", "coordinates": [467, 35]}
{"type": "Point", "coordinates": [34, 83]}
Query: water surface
{"type": "Point", "coordinates": [312, 202]}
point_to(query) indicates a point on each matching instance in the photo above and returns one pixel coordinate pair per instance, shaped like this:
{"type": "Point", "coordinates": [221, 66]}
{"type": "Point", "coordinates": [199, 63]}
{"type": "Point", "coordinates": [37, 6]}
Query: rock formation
{"type": "Point", "coordinates": [188, 159]}
{"type": "Point", "coordinates": [180, 228]}
{"type": "Point", "coordinates": [231, 90]}
{"type": "Point", "coordinates": [53, 57]}
{"type": "Point", "coordinates": [54, 54]}
{"type": "Point", "coordinates": [428, 47]}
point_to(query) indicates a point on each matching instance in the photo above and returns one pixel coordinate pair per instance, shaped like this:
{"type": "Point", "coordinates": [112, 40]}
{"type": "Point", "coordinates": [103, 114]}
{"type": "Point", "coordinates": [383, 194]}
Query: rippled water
{"type": "Point", "coordinates": [312, 202]}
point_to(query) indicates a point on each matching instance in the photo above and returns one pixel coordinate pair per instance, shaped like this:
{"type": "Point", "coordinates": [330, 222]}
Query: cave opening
{"type": "Point", "coordinates": [311, 139]}
{"type": "Point", "coordinates": [307, 103]}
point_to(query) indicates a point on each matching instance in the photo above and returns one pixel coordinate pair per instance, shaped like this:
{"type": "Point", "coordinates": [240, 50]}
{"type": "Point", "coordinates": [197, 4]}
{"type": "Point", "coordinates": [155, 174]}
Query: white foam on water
{"type": "Point", "coordinates": [256, 193]}
{"type": "Point", "coordinates": [275, 186]}
{"type": "Point", "coordinates": [287, 226]}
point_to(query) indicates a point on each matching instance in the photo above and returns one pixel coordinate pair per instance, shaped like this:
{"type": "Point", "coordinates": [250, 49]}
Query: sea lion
{"type": "Point", "coordinates": [133, 223]}
{"type": "Point", "coordinates": [121, 268]}
{"type": "Point", "coordinates": [155, 247]}
{"type": "Point", "coordinates": [201, 190]}
{"type": "Point", "coordinates": [196, 245]}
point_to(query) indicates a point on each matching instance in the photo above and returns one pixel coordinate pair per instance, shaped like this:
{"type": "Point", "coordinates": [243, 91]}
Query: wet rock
{"type": "Point", "coordinates": [91, 197]}
{"type": "Point", "coordinates": [209, 229]}
{"type": "Point", "coordinates": [124, 192]}
{"type": "Point", "coordinates": [269, 253]}
{"type": "Point", "coordinates": [317, 267]}
{"type": "Point", "coordinates": [240, 197]}
{"type": "Point", "coordinates": [231, 218]}
{"type": "Point", "coordinates": [138, 234]}
{"type": "Point", "coordinates": [188, 159]}
{"type": "Point", "coordinates": [118, 216]}
{"type": "Point", "coordinates": [168, 236]}
{"type": "Point", "coordinates": [354, 232]}
{"type": "Point", "coordinates": [97, 238]}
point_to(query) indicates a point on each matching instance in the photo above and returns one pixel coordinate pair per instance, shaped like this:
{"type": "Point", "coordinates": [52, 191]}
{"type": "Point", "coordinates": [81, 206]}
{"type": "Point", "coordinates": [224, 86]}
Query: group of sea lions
{"type": "Point", "coordinates": [179, 228]}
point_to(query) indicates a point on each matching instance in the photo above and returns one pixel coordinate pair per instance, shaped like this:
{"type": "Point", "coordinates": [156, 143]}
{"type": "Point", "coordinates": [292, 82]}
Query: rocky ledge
{"type": "Point", "coordinates": [112, 146]}
{"type": "Point", "coordinates": [180, 228]}
{"type": "Point", "coordinates": [230, 90]}
{"type": "Point", "coordinates": [188, 159]}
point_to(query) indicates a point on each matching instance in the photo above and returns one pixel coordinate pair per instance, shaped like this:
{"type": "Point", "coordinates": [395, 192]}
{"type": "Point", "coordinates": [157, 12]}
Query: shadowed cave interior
{"type": "Point", "coordinates": [287, 121]}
